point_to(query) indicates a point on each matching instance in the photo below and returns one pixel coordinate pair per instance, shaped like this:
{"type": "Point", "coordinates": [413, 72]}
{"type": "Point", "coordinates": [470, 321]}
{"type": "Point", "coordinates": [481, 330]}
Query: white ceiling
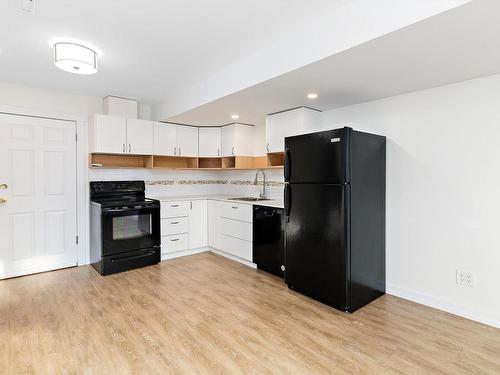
{"type": "Point", "coordinates": [151, 49]}
{"type": "Point", "coordinates": [460, 44]}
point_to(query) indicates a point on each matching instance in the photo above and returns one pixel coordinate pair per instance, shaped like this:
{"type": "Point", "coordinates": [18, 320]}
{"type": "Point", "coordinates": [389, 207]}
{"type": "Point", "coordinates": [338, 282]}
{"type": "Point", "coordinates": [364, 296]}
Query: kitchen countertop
{"type": "Point", "coordinates": [277, 203]}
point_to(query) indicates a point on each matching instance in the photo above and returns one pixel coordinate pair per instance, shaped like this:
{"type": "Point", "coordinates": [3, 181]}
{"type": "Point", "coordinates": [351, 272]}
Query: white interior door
{"type": "Point", "coordinates": [38, 195]}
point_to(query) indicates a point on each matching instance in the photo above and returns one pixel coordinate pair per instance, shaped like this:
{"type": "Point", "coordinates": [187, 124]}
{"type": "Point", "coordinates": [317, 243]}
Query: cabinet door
{"type": "Point", "coordinates": [109, 134]}
{"type": "Point", "coordinates": [187, 141]}
{"type": "Point", "coordinates": [198, 224]}
{"type": "Point", "coordinates": [286, 124]}
{"type": "Point", "coordinates": [209, 142]}
{"type": "Point", "coordinates": [165, 139]}
{"type": "Point", "coordinates": [140, 137]}
{"type": "Point", "coordinates": [227, 136]}
{"type": "Point", "coordinates": [282, 125]}
{"type": "Point", "coordinates": [244, 140]}
{"type": "Point", "coordinates": [213, 224]}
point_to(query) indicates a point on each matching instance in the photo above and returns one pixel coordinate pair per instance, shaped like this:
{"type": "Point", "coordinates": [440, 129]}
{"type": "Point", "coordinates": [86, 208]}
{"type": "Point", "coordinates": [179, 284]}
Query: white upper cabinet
{"type": "Point", "coordinates": [175, 140]}
{"type": "Point", "coordinates": [209, 144]}
{"type": "Point", "coordinates": [187, 141]}
{"type": "Point", "coordinates": [165, 139]}
{"type": "Point", "coordinates": [289, 123]}
{"type": "Point", "coordinates": [108, 134]}
{"type": "Point", "coordinates": [140, 137]}
{"type": "Point", "coordinates": [118, 135]}
{"type": "Point", "coordinates": [238, 140]}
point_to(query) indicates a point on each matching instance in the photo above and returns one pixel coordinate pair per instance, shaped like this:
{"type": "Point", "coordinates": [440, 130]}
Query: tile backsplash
{"type": "Point", "coordinates": [172, 182]}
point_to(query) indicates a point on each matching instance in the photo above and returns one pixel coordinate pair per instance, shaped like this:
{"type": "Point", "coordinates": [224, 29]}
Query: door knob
{"type": "Point", "coordinates": [3, 186]}
{"type": "Point", "coordinates": [2, 200]}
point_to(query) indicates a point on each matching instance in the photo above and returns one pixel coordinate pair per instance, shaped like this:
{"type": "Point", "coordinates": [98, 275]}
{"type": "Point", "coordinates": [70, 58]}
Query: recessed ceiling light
{"type": "Point", "coordinates": [312, 95]}
{"type": "Point", "coordinates": [235, 117]}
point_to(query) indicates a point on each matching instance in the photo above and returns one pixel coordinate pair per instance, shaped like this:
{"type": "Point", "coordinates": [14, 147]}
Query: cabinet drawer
{"type": "Point", "coordinates": [176, 242]}
{"type": "Point", "coordinates": [236, 247]}
{"type": "Point", "coordinates": [174, 209]}
{"type": "Point", "coordinates": [174, 225]}
{"type": "Point", "coordinates": [237, 211]}
{"type": "Point", "coordinates": [235, 228]}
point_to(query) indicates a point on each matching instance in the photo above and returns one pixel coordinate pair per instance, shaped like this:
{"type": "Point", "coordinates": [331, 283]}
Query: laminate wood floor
{"type": "Point", "coordinates": [204, 314]}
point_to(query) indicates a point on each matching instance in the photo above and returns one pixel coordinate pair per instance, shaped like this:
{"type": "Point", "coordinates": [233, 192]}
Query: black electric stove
{"type": "Point", "coordinates": [125, 226]}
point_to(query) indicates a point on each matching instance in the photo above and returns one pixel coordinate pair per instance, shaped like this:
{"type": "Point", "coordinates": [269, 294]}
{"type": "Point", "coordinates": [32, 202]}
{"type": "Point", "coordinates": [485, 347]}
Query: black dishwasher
{"type": "Point", "coordinates": [268, 239]}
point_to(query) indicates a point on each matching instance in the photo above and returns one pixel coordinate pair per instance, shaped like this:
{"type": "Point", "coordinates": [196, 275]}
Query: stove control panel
{"type": "Point", "coordinates": [113, 187]}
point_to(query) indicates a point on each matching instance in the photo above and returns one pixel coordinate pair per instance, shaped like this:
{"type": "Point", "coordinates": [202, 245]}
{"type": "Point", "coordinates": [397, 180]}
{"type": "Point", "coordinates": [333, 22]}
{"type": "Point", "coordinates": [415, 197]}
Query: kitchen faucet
{"type": "Point", "coordinates": [263, 192]}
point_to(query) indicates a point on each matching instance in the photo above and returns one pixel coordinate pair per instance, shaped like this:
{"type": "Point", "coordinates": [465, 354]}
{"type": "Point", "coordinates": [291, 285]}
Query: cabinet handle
{"type": "Point", "coordinates": [190, 205]}
{"type": "Point", "coordinates": [235, 207]}
{"type": "Point", "coordinates": [124, 148]}
{"type": "Point", "coordinates": [175, 150]}
{"type": "Point", "coordinates": [218, 152]}
{"type": "Point", "coordinates": [174, 205]}
{"type": "Point", "coordinates": [129, 148]}
{"type": "Point", "coordinates": [179, 151]}
{"type": "Point", "coordinates": [232, 150]}
{"type": "Point", "coordinates": [174, 222]}
{"type": "Point", "coordinates": [174, 239]}
{"type": "Point", "coordinates": [267, 147]}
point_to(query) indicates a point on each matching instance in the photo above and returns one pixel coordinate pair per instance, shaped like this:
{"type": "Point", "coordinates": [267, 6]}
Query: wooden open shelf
{"type": "Point", "coordinates": [120, 161]}
{"type": "Point", "coordinates": [209, 163]}
{"type": "Point", "coordinates": [228, 162]}
{"type": "Point", "coordinates": [175, 162]}
{"type": "Point", "coordinates": [276, 159]}
{"type": "Point", "coordinates": [269, 161]}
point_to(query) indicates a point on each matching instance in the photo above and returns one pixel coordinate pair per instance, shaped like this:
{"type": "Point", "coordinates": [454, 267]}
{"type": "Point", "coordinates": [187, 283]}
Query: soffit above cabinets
{"type": "Point", "coordinates": [454, 46]}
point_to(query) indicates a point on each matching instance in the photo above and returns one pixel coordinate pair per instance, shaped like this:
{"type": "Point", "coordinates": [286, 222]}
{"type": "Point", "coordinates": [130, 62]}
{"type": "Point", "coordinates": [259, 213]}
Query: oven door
{"type": "Point", "coordinates": [130, 228]}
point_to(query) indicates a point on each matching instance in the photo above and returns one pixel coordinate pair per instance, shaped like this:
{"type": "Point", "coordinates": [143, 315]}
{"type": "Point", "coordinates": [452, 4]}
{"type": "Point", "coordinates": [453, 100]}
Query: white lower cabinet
{"type": "Point", "coordinates": [236, 246]}
{"type": "Point", "coordinates": [198, 230]}
{"type": "Point", "coordinates": [174, 225]}
{"type": "Point", "coordinates": [230, 228]}
{"type": "Point", "coordinates": [183, 226]}
{"type": "Point", "coordinates": [174, 243]}
{"type": "Point", "coordinates": [214, 209]}
{"type": "Point", "coordinates": [190, 225]}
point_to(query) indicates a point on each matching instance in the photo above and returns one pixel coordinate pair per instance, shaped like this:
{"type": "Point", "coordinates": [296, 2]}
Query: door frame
{"type": "Point", "coordinates": [82, 189]}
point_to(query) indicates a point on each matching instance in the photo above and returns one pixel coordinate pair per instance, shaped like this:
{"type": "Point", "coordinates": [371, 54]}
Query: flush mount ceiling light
{"type": "Point", "coordinates": [235, 117]}
{"type": "Point", "coordinates": [312, 95]}
{"type": "Point", "coordinates": [75, 57]}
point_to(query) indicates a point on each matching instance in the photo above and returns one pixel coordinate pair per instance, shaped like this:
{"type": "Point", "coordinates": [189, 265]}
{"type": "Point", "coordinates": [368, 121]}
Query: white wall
{"type": "Point", "coordinates": [443, 192]}
{"type": "Point", "coordinates": [48, 100]}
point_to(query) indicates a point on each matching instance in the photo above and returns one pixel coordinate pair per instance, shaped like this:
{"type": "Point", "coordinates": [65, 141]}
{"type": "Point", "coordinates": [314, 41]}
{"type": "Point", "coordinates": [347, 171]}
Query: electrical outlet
{"type": "Point", "coordinates": [465, 278]}
{"type": "Point", "coordinates": [27, 6]}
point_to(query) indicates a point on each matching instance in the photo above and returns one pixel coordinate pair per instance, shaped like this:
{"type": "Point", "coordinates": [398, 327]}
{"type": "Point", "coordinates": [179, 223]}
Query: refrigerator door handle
{"type": "Point", "coordinates": [286, 169]}
{"type": "Point", "coordinates": [287, 199]}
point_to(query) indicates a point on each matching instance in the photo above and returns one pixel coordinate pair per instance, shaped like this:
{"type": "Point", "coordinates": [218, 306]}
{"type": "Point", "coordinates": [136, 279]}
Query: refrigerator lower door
{"type": "Point", "coordinates": [316, 243]}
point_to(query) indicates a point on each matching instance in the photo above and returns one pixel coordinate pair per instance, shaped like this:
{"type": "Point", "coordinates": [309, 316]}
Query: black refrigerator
{"type": "Point", "coordinates": [335, 216]}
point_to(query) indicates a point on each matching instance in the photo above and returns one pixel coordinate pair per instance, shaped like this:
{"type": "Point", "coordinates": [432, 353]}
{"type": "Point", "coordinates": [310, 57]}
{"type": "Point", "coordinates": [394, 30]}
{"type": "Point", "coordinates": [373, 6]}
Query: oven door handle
{"type": "Point", "coordinates": [138, 208]}
{"type": "Point", "coordinates": [133, 257]}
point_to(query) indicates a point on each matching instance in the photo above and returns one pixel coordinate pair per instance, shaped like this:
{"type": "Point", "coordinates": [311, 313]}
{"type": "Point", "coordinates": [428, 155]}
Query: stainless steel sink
{"type": "Point", "coordinates": [250, 199]}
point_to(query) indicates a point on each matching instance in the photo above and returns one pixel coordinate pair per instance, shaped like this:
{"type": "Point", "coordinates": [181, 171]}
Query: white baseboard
{"type": "Point", "coordinates": [441, 304]}
{"type": "Point", "coordinates": [183, 253]}
{"type": "Point", "coordinates": [38, 269]}
{"type": "Point", "coordinates": [232, 257]}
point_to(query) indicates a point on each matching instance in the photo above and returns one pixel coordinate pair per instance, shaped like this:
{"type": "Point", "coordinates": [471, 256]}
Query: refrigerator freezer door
{"type": "Point", "coordinates": [315, 242]}
{"type": "Point", "coordinates": [318, 157]}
